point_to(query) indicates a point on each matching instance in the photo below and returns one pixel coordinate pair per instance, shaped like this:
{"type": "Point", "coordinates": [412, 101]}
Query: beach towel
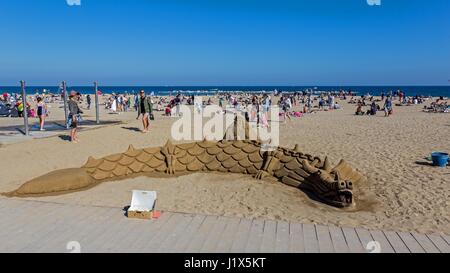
{"type": "Point", "coordinates": [298, 114]}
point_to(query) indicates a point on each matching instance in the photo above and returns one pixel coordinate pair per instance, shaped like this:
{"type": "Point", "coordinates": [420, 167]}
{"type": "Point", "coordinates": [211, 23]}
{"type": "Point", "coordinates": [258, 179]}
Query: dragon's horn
{"type": "Point", "coordinates": [310, 169]}
{"type": "Point", "coordinates": [338, 175]}
{"type": "Point", "coordinates": [168, 143]}
{"type": "Point", "coordinates": [327, 165]}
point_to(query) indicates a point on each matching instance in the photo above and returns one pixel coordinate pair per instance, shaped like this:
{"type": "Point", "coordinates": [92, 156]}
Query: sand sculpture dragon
{"type": "Point", "coordinates": [333, 186]}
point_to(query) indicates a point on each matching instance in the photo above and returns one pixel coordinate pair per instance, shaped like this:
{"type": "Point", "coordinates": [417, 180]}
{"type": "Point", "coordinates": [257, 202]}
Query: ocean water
{"type": "Point", "coordinates": [435, 91]}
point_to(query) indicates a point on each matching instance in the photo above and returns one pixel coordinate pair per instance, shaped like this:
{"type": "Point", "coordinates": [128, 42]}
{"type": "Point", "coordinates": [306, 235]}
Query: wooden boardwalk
{"type": "Point", "coordinates": [40, 227]}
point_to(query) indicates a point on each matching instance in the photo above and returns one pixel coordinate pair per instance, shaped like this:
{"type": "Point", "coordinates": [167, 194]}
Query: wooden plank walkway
{"type": "Point", "coordinates": [44, 227]}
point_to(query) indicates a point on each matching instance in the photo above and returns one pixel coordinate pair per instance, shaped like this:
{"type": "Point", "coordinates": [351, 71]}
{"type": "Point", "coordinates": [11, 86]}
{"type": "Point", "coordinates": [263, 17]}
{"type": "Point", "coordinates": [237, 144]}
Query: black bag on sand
{"type": "Point", "coordinates": [151, 116]}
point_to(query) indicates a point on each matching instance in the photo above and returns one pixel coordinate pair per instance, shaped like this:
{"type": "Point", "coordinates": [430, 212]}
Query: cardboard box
{"type": "Point", "coordinates": [142, 205]}
{"type": "Point", "coordinates": [144, 215]}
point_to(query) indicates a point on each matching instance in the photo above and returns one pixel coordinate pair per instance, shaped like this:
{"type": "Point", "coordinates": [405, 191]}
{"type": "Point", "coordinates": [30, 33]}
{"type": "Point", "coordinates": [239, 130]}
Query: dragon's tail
{"type": "Point", "coordinates": [55, 182]}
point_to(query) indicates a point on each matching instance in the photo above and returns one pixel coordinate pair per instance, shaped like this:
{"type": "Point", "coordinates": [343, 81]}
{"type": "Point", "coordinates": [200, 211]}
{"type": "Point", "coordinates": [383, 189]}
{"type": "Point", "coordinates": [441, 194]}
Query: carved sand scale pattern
{"type": "Point", "coordinates": [234, 157]}
{"type": "Point", "coordinates": [290, 166]}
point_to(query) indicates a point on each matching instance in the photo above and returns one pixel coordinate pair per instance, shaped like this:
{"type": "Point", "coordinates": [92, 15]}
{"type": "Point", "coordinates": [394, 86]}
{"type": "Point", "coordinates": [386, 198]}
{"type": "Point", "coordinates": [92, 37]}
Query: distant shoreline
{"type": "Point", "coordinates": [411, 90]}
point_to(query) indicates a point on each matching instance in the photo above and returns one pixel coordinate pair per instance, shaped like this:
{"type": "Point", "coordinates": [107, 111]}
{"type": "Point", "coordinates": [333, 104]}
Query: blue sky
{"type": "Point", "coordinates": [225, 42]}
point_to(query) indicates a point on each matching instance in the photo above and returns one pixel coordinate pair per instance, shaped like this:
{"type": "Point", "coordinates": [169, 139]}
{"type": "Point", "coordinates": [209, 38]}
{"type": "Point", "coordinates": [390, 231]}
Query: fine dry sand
{"type": "Point", "coordinates": [400, 194]}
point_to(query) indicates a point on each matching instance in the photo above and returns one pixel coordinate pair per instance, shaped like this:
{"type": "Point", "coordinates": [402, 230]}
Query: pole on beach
{"type": "Point", "coordinates": [97, 108]}
{"type": "Point", "coordinates": [64, 87]}
{"type": "Point", "coordinates": [25, 108]}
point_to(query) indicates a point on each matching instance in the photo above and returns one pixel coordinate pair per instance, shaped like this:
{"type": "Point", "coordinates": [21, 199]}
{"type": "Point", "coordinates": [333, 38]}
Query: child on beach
{"type": "Point", "coordinates": [20, 109]}
{"type": "Point", "coordinates": [388, 107]}
{"type": "Point", "coordinates": [321, 103]}
{"type": "Point", "coordinates": [88, 100]}
{"type": "Point", "coordinates": [373, 109]}
{"type": "Point", "coordinates": [359, 111]}
{"type": "Point", "coordinates": [41, 113]}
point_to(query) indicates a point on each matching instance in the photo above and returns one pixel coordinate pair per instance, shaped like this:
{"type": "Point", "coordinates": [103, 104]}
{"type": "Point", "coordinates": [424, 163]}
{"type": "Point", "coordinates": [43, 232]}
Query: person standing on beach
{"type": "Point", "coordinates": [388, 107]}
{"type": "Point", "coordinates": [41, 112]}
{"type": "Point", "coordinates": [284, 104]}
{"type": "Point", "coordinates": [20, 108]}
{"type": "Point", "coordinates": [125, 103]}
{"type": "Point", "coordinates": [74, 116]}
{"type": "Point", "coordinates": [136, 103]}
{"type": "Point", "coordinates": [331, 102]}
{"type": "Point", "coordinates": [131, 101]}
{"type": "Point", "coordinates": [145, 108]}
{"type": "Point", "coordinates": [177, 102]}
{"type": "Point", "coordinates": [88, 100]}
{"type": "Point", "coordinates": [266, 107]}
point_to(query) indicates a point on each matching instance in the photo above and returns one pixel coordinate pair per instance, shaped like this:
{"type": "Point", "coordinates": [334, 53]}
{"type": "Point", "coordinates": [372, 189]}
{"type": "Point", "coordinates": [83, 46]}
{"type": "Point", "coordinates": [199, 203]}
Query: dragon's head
{"type": "Point", "coordinates": [334, 186]}
{"type": "Point", "coordinates": [340, 192]}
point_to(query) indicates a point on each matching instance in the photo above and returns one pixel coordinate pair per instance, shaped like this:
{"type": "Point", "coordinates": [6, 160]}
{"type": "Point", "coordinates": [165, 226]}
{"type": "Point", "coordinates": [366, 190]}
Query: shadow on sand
{"type": "Point", "coordinates": [65, 138]}
{"type": "Point", "coordinates": [134, 129]}
{"type": "Point", "coordinates": [425, 163]}
{"type": "Point", "coordinates": [125, 210]}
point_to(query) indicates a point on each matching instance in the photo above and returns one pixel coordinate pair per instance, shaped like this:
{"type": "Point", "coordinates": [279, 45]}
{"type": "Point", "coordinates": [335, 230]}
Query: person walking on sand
{"type": "Point", "coordinates": [285, 105]}
{"type": "Point", "coordinates": [145, 108]}
{"type": "Point", "coordinates": [388, 107]}
{"type": "Point", "coordinates": [74, 115]}
{"type": "Point", "coordinates": [41, 113]}
{"type": "Point", "coordinates": [136, 102]}
{"type": "Point", "coordinates": [88, 100]}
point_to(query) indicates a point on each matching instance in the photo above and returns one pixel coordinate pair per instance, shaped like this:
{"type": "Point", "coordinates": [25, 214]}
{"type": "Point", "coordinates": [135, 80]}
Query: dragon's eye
{"type": "Point", "coordinates": [349, 185]}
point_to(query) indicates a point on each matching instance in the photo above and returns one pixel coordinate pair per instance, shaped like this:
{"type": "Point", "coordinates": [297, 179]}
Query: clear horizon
{"type": "Point", "coordinates": [251, 85]}
{"type": "Point", "coordinates": [225, 43]}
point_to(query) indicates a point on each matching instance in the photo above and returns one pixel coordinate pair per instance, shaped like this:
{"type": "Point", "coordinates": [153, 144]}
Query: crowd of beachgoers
{"type": "Point", "coordinates": [256, 106]}
{"type": "Point", "coordinates": [285, 101]}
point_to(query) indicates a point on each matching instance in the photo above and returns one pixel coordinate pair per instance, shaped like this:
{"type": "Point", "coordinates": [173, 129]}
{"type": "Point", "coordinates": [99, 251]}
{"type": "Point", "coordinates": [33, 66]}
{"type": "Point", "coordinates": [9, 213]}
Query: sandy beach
{"type": "Point", "coordinates": [401, 193]}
